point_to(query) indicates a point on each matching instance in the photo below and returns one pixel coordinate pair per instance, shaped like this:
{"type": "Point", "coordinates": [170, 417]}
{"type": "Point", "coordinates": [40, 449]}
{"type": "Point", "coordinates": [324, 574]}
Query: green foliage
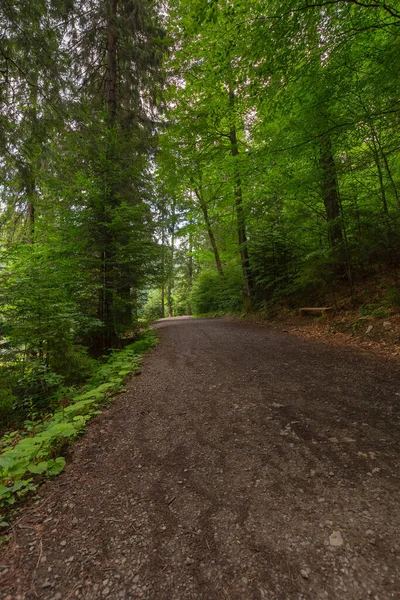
{"type": "Point", "coordinates": [373, 310]}
{"type": "Point", "coordinates": [212, 293]}
{"type": "Point", "coordinates": [34, 388]}
{"type": "Point", "coordinates": [38, 306]}
{"type": "Point", "coordinates": [308, 92]}
{"type": "Point", "coordinates": [7, 399]}
{"type": "Point", "coordinates": [152, 310]}
{"type": "Point", "coordinates": [392, 296]}
{"type": "Point", "coordinates": [77, 237]}
{"type": "Point", "coordinates": [35, 450]}
{"type": "Point", "coordinates": [6, 407]}
{"type": "Point", "coordinates": [42, 325]}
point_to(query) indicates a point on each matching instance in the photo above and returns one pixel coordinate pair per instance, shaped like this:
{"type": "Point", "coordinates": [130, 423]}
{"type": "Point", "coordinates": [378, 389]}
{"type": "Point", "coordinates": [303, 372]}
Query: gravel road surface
{"type": "Point", "coordinates": [244, 463]}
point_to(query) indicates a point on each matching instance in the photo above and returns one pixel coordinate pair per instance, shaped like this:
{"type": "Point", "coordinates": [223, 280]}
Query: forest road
{"type": "Point", "coordinates": [244, 463]}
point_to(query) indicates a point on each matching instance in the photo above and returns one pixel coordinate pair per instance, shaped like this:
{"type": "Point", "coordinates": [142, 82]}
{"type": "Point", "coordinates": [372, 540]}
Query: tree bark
{"type": "Point", "coordinates": [108, 283]}
{"type": "Point", "coordinates": [330, 192]}
{"type": "Point", "coordinates": [378, 145]}
{"type": "Point", "coordinates": [171, 266]}
{"type": "Point", "coordinates": [240, 216]}
{"type": "Point", "coordinates": [30, 192]}
{"type": "Point", "coordinates": [190, 272]}
{"type": "Point", "coordinates": [33, 164]}
{"type": "Point", "coordinates": [111, 92]}
{"type": "Point", "coordinates": [163, 263]}
{"type": "Point", "coordinates": [163, 301]}
{"type": "Point", "coordinates": [377, 159]}
{"type": "Point", "coordinates": [211, 236]}
{"type": "Point", "coordinates": [169, 298]}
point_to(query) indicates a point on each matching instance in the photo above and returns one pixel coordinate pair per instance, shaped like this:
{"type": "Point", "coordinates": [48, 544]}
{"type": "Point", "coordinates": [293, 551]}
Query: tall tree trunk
{"type": "Point", "coordinates": [330, 189]}
{"type": "Point", "coordinates": [378, 145]}
{"type": "Point", "coordinates": [171, 266]}
{"type": "Point", "coordinates": [163, 301]}
{"type": "Point", "coordinates": [211, 236]}
{"type": "Point", "coordinates": [31, 193]}
{"type": "Point", "coordinates": [330, 192]}
{"type": "Point", "coordinates": [377, 160]}
{"type": "Point", "coordinates": [170, 281]}
{"type": "Point", "coordinates": [111, 90]}
{"type": "Point", "coordinates": [389, 173]}
{"type": "Point", "coordinates": [163, 263]}
{"type": "Point", "coordinates": [240, 216]}
{"type": "Point", "coordinates": [33, 164]}
{"type": "Point", "coordinates": [169, 298]}
{"type": "Point", "coordinates": [378, 156]}
{"type": "Point", "coordinates": [106, 308]}
{"type": "Point", "coordinates": [190, 272]}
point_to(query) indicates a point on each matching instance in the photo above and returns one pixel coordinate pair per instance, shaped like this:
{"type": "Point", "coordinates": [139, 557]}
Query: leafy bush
{"type": "Point", "coordinates": [7, 417]}
{"type": "Point", "coordinates": [74, 364]}
{"type": "Point", "coordinates": [212, 293]}
{"type": "Point", "coordinates": [35, 450]}
{"type": "Point", "coordinates": [373, 310]}
{"type": "Point", "coordinates": [393, 296]}
{"type": "Point", "coordinates": [33, 389]}
{"type": "Point", "coordinates": [41, 319]}
{"type": "Point", "coordinates": [30, 387]}
{"type": "Point", "coordinates": [152, 310]}
{"type": "Point", "coordinates": [6, 407]}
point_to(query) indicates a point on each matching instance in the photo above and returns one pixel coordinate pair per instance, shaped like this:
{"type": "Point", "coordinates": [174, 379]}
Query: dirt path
{"type": "Point", "coordinates": [243, 463]}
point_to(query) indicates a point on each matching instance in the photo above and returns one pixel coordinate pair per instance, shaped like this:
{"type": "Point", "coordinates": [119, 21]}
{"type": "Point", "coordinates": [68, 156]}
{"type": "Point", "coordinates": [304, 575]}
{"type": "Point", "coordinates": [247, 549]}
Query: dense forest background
{"type": "Point", "coordinates": [281, 155]}
{"type": "Point", "coordinates": [206, 156]}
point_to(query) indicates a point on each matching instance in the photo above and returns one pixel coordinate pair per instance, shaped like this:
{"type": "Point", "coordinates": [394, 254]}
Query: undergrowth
{"type": "Point", "coordinates": [34, 452]}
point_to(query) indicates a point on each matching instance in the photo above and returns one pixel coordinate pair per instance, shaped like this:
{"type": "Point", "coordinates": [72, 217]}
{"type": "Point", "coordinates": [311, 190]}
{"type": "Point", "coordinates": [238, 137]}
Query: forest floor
{"type": "Point", "coordinates": [244, 463]}
{"type": "Point", "coordinates": [380, 335]}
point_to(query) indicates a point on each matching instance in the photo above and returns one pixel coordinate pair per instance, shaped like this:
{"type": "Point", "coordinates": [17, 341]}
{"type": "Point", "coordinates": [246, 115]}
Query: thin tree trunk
{"type": "Point", "coordinates": [330, 192]}
{"type": "Point", "coordinates": [380, 175]}
{"type": "Point", "coordinates": [190, 272]}
{"type": "Point", "coordinates": [169, 298]}
{"type": "Point", "coordinates": [32, 166]}
{"type": "Point", "coordinates": [163, 264]}
{"type": "Point", "coordinates": [163, 301]}
{"type": "Point", "coordinates": [378, 155]}
{"type": "Point", "coordinates": [170, 282]}
{"type": "Point", "coordinates": [387, 167]}
{"type": "Point", "coordinates": [379, 151]}
{"type": "Point", "coordinates": [171, 266]}
{"type": "Point", "coordinates": [31, 192]}
{"type": "Point", "coordinates": [211, 236]}
{"type": "Point", "coordinates": [112, 61]}
{"type": "Point", "coordinates": [240, 216]}
{"type": "Point", "coordinates": [389, 173]}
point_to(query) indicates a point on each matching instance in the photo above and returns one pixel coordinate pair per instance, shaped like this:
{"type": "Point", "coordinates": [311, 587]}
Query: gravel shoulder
{"type": "Point", "coordinates": [244, 463]}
